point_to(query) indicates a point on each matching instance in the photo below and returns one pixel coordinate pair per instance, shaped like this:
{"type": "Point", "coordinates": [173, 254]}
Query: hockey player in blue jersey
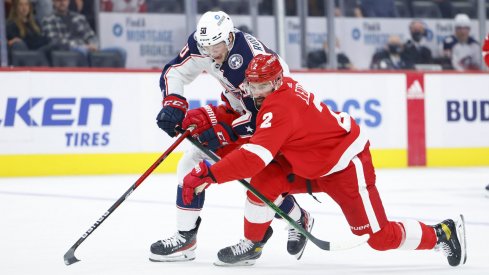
{"type": "Point", "coordinates": [224, 52]}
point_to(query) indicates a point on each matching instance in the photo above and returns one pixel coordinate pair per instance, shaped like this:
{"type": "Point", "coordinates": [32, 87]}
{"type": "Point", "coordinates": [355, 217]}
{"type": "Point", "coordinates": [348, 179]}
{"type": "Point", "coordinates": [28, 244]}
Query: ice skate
{"type": "Point", "coordinates": [487, 191]}
{"type": "Point", "coordinates": [178, 248]}
{"type": "Point", "coordinates": [451, 240]}
{"type": "Point", "coordinates": [297, 241]}
{"type": "Point", "coordinates": [244, 253]}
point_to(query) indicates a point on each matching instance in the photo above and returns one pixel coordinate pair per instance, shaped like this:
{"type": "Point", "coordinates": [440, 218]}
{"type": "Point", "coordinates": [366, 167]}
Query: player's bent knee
{"type": "Point", "coordinates": [389, 237]}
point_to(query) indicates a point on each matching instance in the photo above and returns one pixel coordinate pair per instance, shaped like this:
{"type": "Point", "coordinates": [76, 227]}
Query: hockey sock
{"type": "Point", "coordinates": [187, 215]}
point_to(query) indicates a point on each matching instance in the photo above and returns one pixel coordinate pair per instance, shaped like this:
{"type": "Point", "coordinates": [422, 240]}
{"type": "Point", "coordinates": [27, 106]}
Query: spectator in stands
{"type": "Point", "coordinates": [318, 59]}
{"type": "Point", "coordinates": [71, 31]}
{"type": "Point", "coordinates": [414, 52]}
{"type": "Point", "coordinates": [378, 8]}
{"type": "Point", "coordinates": [461, 48]}
{"type": "Point", "coordinates": [23, 32]}
{"type": "Point", "coordinates": [390, 57]}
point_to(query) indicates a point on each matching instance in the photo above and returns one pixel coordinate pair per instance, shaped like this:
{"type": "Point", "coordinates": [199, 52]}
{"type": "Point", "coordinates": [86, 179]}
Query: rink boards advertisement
{"type": "Point", "coordinates": [62, 122]}
{"type": "Point", "coordinates": [457, 119]}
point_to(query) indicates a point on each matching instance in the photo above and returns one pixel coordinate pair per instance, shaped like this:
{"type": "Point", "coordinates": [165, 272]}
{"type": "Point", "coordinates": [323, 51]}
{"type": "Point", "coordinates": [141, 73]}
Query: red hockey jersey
{"type": "Point", "coordinates": [315, 140]}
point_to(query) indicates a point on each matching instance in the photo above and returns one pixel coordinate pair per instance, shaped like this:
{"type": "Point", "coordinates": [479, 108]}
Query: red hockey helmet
{"type": "Point", "coordinates": [263, 68]}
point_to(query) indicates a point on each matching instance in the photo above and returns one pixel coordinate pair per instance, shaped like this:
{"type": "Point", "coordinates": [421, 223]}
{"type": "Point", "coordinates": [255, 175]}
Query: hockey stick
{"type": "Point", "coordinates": [69, 256]}
{"type": "Point", "coordinates": [325, 245]}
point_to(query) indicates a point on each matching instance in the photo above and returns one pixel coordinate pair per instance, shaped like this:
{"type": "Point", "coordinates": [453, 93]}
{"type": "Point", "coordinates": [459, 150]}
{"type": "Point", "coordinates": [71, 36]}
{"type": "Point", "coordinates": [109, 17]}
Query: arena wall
{"type": "Point", "coordinates": [62, 122]}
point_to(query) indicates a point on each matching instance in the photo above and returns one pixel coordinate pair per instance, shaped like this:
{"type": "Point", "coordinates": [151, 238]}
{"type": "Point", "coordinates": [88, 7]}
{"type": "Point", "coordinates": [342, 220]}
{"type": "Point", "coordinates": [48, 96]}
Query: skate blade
{"type": "Point", "coordinates": [298, 256]}
{"type": "Point", "coordinates": [176, 257]}
{"type": "Point", "coordinates": [240, 263]}
{"type": "Point", "coordinates": [461, 238]}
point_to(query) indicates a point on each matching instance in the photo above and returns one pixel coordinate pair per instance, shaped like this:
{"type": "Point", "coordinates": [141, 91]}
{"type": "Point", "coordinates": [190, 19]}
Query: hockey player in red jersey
{"type": "Point", "coordinates": [328, 149]}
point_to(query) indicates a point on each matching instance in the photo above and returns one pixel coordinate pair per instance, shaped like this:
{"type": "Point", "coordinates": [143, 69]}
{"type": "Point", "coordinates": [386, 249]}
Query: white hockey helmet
{"type": "Point", "coordinates": [213, 28]}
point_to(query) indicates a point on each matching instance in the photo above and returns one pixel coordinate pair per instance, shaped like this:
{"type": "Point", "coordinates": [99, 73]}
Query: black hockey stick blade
{"type": "Point", "coordinates": [70, 257]}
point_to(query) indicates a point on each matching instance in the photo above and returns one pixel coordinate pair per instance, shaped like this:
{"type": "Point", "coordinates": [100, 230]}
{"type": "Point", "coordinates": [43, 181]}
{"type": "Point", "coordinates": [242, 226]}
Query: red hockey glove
{"type": "Point", "coordinates": [485, 50]}
{"type": "Point", "coordinates": [173, 111]}
{"type": "Point", "coordinates": [218, 136]}
{"type": "Point", "coordinates": [203, 118]}
{"type": "Point", "coordinates": [196, 181]}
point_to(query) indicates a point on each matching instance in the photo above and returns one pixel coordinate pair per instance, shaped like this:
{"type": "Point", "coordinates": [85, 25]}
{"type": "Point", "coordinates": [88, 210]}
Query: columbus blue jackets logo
{"type": "Point", "coordinates": [235, 61]}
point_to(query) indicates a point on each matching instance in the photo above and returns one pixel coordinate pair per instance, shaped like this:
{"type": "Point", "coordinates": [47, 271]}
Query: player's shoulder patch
{"type": "Point", "coordinates": [235, 61]}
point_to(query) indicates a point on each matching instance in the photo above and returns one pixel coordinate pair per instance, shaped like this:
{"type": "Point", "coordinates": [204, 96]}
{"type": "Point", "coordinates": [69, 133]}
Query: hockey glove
{"type": "Point", "coordinates": [203, 118]}
{"type": "Point", "coordinates": [173, 111]}
{"type": "Point", "coordinates": [218, 136]}
{"type": "Point", "coordinates": [485, 50]}
{"type": "Point", "coordinates": [196, 181]}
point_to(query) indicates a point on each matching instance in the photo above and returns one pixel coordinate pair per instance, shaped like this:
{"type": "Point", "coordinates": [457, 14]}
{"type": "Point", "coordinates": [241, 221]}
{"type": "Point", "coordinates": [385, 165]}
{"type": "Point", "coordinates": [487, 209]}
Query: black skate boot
{"type": "Point", "coordinates": [487, 191]}
{"type": "Point", "coordinates": [178, 248]}
{"type": "Point", "coordinates": [451, 240]}
{"type": "Point", "coordinates": [297, 241]}
{"type": "Point", "coordinates": [244, 253]}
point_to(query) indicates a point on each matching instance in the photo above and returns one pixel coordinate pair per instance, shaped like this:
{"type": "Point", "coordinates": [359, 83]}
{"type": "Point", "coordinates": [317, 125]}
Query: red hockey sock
{"type": "Point", "coordinates": [255, 231]}
{"type": "Point", "coordinates": [428, 238]}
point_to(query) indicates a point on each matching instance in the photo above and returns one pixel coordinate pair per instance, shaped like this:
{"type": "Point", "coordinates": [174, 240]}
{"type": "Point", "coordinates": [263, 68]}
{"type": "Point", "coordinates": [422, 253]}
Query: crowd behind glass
{"type": "Point", "coordinates": [61, 33]}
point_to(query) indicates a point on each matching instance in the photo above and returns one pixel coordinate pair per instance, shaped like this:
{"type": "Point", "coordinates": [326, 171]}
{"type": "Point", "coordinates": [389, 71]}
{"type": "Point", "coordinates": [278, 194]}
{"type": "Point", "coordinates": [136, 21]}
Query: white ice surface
{"type": "Point", "coordinates": [41, 218]}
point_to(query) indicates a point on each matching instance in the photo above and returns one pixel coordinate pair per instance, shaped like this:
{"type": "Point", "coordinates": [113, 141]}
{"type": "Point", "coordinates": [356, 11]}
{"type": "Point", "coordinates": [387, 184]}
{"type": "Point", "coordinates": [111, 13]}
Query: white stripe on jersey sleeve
{"type": "Point", "coordinates": [260, 151]}
{"type": "Point", "coordinates": [356, 147]}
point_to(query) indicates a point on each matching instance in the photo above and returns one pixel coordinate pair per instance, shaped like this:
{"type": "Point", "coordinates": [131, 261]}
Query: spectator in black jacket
{"type": "Point", "coordinates": [414, 51]}
{"type": "Point", "coordinates": [23, 32]}
{"type": "Point", "coordinates": [390, 57]}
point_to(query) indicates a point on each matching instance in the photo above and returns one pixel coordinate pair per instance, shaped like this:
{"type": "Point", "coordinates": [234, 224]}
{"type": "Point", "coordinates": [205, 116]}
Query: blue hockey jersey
{"type": "Point", "coordinates": [191, 62]}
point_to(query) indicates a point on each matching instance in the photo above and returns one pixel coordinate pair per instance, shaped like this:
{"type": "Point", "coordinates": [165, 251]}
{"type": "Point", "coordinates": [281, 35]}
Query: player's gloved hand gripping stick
{"type": "Point", "coordinates": [325, 245]}
{"type": "Point", "coordinates": [69, 256]}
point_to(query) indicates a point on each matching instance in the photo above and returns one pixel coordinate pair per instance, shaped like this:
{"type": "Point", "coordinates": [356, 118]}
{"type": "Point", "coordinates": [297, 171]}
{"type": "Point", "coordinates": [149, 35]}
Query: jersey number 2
{"type": "Point", "coordinates": [267, 120]}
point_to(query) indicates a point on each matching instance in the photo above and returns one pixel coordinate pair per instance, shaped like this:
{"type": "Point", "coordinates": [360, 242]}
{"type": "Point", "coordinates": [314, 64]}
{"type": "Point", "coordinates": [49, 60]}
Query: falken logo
{"type": "Point", "coordinates": [65, 111]}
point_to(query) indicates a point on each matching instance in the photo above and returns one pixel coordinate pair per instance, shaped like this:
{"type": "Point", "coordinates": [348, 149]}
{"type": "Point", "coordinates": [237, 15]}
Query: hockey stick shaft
{"type": "Point", "coordinates": [69, 257]}
{"type": "Point", "coordinates": [325, 245]}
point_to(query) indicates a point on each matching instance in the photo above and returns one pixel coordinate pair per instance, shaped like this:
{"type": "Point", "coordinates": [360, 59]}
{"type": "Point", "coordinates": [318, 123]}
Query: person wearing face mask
{"type": "Point", "coordinates": [390, 57]}
{"type": "Point", "coordinates": [414, 51]}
